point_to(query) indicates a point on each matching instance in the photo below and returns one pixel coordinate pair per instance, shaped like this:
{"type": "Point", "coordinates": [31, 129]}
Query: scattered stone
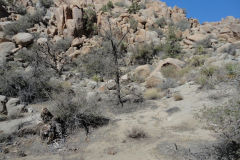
{"type": "Point", "coordinates": [23, 39]}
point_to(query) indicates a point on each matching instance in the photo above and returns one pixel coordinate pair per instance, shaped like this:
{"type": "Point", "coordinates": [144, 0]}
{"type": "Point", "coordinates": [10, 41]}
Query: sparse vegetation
{"type": "Point", "coordinates": [177, 97]}
{"type": "Point", "coordinates": [161, 22]}
{"type": "Point", "coordinates": [133, 24]}
{"type": "Point", "coordinates": [183, 25]}
{"type": "Point", "coordinates": [108, 7]}
{"type": "Point", "coordinates": [137, 133]}
{"type": "Point", "coordinates": [89, 20]}
{"type": "Point", "coordinates": [46, 3]}
{"type": "Point", "coordinates": [143, 54]}
{"type": "Point", "coordinates": [120, 4]}
{"type": "Point", "coordinates": [152, 93]}
{"type": "Point", "coordinates": [172, 47]}
{"type": "Point", "coordinates": [24, 23]}
{"type": "Point", "coordinates": [224, 120]}
{"type": "Point", "coordinates": [134, 8]}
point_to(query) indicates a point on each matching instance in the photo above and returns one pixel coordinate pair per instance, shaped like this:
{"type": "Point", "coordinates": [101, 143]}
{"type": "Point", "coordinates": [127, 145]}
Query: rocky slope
{"type": "Point", "coordinates": [162, 96]}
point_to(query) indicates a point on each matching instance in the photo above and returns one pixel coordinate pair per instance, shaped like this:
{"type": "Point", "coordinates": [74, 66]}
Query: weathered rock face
{"type": "Point", "coordinates": [23, 39]}
{"type": "Point", "coordinates": [69, 20]}
{"type": "Point", "coordinates": [5, 51]}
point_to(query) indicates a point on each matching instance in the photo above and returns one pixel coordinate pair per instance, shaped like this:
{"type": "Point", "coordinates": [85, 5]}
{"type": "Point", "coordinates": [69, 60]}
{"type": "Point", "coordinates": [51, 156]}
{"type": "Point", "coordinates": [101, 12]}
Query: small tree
{"type": "Point", "coordinates": [53, 55]}
{"type": "Point", "coordinates": [172, 47]}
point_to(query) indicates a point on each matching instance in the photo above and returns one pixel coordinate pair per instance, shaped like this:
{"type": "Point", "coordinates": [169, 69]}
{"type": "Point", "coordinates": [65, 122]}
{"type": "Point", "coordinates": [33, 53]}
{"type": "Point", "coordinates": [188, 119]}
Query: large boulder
{"type": "Point", "coordinates": [197, 37]}
{"type": "Point", "coordinates": [5, 51]}
{"type": "Point", "coordinates": [23, 39]}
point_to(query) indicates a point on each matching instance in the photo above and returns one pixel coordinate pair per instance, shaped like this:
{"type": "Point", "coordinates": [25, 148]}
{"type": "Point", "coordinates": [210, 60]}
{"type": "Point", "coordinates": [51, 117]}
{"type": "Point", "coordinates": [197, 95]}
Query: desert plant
{"type": "Point", "coordinates": [28, 86]}
{"type": "Point", "coordinates": [46, 3]}
{"type": "Point", "coordinates": [108, 7]}
{"type": "Point", "coordinates": [133, 24]}
{"type": "Point", "coordinates": [183, 25]}
{"type": "Point", "coordinates": [145, 53]}
{"type": "Point", "coordinates": [177, 97]}
{"type": "Point", "coordinates": [134, 8]}
{"type": "Point", "coordinates": [172, 47]}
{"type": "Point", "coordinates": [137, 133]}
{"type": "Point", "coordinates": [197, 60]}
{"type": "Point", "coordinates": [24, 23]}
{"type": "Point", "coordinates": [120, 4]}
{"type": "Point", "coordinates": [89, 19]}
{"type": "Point", "coordinates": [161, 22]}
{"type": "Point", "coordinates": [224, 120]}
{"type": "Point", "coordinates": [169, 71]}
{"type": "Point", "coordinates": [231, 49]}
{"type": "Point", "coordinates": [169, 83]}
{"type": "Point", "coordinates": [74, 109]}
{"type": "Point", "coordinates": [152, 93]}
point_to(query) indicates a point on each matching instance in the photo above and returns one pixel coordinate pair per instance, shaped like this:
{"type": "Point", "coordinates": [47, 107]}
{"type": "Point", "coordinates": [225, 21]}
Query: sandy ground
{"type": "Point", "coordinates": [165, 131]}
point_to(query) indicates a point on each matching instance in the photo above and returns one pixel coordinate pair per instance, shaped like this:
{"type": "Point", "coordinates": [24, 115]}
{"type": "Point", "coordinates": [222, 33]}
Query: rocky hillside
{"type": "Point", "coordinates": [120, 79]}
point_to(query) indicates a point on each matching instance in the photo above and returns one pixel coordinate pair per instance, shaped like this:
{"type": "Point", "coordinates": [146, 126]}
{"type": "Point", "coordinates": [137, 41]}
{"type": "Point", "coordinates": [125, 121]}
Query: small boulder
{"type": "Point", "coordinates": [111, 85]}
{"type": "Point", "coordinates": [23, 39]}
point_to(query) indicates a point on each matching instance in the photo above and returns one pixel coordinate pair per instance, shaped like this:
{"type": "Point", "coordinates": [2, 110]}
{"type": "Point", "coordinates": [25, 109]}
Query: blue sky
{"type": "Point", "coordinates": [208, 10]}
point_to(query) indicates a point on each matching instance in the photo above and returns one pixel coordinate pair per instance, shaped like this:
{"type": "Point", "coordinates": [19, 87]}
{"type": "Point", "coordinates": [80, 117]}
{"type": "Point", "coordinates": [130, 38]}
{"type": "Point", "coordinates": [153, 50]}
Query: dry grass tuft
{"type": "Point", "coordinates": [137, 133]}
{"type": "Point", "coordinates": [177, 97]}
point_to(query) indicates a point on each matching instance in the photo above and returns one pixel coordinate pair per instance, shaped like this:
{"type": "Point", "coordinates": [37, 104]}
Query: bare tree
{"type": "Point", "coordinates": [53, 55]}
{"type": "Point", "coordinates": [116, 52]}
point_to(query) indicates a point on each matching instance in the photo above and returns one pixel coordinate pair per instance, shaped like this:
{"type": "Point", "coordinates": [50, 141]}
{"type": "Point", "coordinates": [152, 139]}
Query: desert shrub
{"type": "Point", "coordinates": [183, 25]}
{"type": "Point", "coordinates": [158, 30]}
{"type": "Point", "coordinates": [177, 97]}
{"type": "Point", "coordinates": [208, 71]}
{"type": "Point", "coordinates": [133, 24]}
{"type": "Point", "coordinates": [137, 133]}
{"type": "Point", "coordinates": [29, 87]}
{"type": "Point", "coordinates": [224, 120]}
{"type": "Point", "coordinates": [89, 19]}
{"type": "Point", "coordinates": [197, 60]}
{"type": "Point", "coordinates": [169, 83]}
{"type": "Point", "coordinates": [201, 45]}
{"type": "Point", "coordinates": [46, 3]}
{"type": "Point", "coordinates": [20, 9]}
{"type": "Point", "coordinates": [76, 112]}
{"type": "Point", "coordinates": [152, 93]}
{"type": "Point", "coordinates": [169, 71]}
{"type": "Point", "coordinates": [231, 49]}
{"type": "Point", "coordinates": [233, 70]}
{"type": "Point", "coordinates": [24, 23]}
{"type": "Point", "coordinates": [120, 4]}
{"type": "Point", "coordinates": [134, 8]}
{"type": "Point", "coordinates": [172, 47]}
{"type": "Point", "coordinates": [97, 63]}
{"type": "Point", "coordinates": [144, 53]}
{"type": "Point", "coordinates": [108, 7]}
{"type": "Point", "coordinates": [161, 22]}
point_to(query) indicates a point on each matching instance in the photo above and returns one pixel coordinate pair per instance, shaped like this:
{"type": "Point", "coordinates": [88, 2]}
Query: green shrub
{"type": "Point", "coordinates": [224, 120]}
{"type": "Point", "coordinates": [89, 19]}
{"type": "Point", "coordinates": [144, 53]}
{"type": "Point", "coordinates": [172, 47]}
{"type": "Point", "coordinates": [208, 71]}
{"type": "Point", "coordinates": [108, 7]}
{"type": "Point", "coordinates": [201, 45]}
{"type": "Point", "coordinates": [134, 8]}
{"type": "Point", "coordinates": [24, 23]}
{"type": "Point", "coordinates": [133, 24]}
{"type": "Point", "coordinates": [233, 70]}
{"type": "Point", "coordinates": [197, 61]}
{"type": "Point", "coordinates": [46, 3]}
{"type": "Point", "coordinates": [183, 25]}
{"type": "Point", "coordinates": [161, 22]}
{"type": "Point", "coordinates": [169, 71]}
